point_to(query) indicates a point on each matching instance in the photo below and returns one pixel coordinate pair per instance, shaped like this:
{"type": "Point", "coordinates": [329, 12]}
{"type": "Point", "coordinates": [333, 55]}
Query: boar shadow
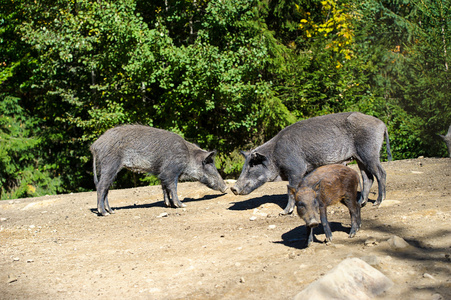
{"type": "Point", "coordinates": [297, 237]}
{"type": "Point", "coordinates": [252, 203]}
{"type": "Point", "coordinates": [160, 203]}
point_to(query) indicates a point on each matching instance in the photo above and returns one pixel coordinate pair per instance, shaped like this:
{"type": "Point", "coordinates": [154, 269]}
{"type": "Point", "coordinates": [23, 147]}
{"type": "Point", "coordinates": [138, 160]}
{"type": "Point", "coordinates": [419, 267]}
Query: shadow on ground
{"type": "Point", "coordinates": [159, 203]}
{"type": "Point", "coordinates": [297, 237]}
{"type": "Point", "coordinates": [280, 199]}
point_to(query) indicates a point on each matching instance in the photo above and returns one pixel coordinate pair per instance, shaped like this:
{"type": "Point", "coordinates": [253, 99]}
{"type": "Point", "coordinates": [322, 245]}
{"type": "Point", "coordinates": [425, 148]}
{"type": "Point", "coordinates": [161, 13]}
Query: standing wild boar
{"type": "Point", "coordinates": [447, 139]}
{"type": "Point", "coordinates": [308, 144]}
{"type": "Point", "coordinates": [145, 149]}
{"type": "Point", "coordinates": [326, 186]}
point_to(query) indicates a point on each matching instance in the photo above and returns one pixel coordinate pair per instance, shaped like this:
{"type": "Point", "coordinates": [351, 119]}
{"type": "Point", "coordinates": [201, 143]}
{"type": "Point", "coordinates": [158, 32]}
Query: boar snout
{"type": "Point", "coordinates": [312, 223]}
{"type": "Point", "coordinates": [235, 190]}
{"type": "Point", "coordinates": [224, 188]}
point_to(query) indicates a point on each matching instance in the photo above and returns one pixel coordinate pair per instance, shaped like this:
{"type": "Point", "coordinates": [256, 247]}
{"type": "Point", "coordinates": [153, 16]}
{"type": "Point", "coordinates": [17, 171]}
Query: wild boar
{"type": "Point", "coordinates": [309, 144]}
{"type": "Point", "coordinates": [144, 149]}
{"type": "Point", "coordinates": [447, 139]}
{"type": "Point", "coordinates": [326, 186]}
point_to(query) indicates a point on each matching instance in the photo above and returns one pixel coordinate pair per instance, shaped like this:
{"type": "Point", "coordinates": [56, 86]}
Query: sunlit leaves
{"type": "Point", "coordinates": [333, 23]}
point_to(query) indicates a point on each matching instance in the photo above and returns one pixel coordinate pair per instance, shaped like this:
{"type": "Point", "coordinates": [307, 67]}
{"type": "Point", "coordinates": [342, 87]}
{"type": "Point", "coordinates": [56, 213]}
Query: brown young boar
{"type": "Point", "coordinates": [327, 185]}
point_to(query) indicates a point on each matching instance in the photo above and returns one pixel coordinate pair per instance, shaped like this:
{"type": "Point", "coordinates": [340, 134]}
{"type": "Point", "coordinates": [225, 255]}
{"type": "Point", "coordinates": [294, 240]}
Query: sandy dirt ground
{"type": "Point", "coordinates": [223, 246]}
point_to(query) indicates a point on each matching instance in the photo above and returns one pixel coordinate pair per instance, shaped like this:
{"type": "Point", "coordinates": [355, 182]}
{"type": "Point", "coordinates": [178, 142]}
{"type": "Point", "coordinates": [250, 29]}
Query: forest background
{"type": "Point", "coordinates": [224, 74]}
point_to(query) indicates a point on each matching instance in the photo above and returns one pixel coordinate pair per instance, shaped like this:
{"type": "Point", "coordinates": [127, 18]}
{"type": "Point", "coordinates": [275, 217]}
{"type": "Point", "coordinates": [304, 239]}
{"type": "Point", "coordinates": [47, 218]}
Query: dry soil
{"type": "Point", "coordinates": [223, 246]}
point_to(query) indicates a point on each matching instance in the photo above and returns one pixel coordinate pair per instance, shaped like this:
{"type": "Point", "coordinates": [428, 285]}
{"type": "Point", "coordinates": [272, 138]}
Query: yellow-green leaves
{"type": "Point", "coordinates": [333, 23]}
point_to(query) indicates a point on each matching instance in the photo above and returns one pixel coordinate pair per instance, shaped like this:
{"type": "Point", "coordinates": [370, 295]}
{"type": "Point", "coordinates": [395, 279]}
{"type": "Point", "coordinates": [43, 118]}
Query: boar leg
{"type": "Point", "coordinates": [169, 178]}
{"type": "Point", "coordinates": [310, 235]}
{"type": "Point", "coordinates": [107, 205]}
{"type": "Point", "coordinates": [372, 167]}
{"type": "Point", "coordinates": [170, 194]}
{"type": "Point", "coordinates": [166, 195]}
{"type": "Point", "coordinates": [354, 211]}
{"type": "Point", "coordinates": [293, 181]}
{"type": "Point", "coordinates": [325, 222]}
{"type": "Point", "coordinates": [106, 179]}
{"type": "Point", "coordinates": [101, 194]}
{"type": "Point", "coordinates": [367, 182]}
{"type": "Point", "coordinates": [381, 177]}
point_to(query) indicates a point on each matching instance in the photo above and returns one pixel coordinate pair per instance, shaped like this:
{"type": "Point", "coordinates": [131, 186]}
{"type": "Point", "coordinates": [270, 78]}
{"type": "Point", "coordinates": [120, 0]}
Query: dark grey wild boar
{"type": "Point", "coordinates": [327, 185]}
{"type": "Point", "coordinates": [308, 144]}
{"type": "Point", "coordinates": [447, 139]}
{"type": "Point", "coordinates": [159, 152]}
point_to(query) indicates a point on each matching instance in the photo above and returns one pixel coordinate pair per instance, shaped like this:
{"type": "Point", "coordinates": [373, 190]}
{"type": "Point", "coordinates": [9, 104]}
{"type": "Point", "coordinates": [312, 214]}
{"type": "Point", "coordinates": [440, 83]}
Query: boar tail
{"type": "Point", "coordinates": [387, 144]}
{"type": "Point", "coordinates": [94, 168]}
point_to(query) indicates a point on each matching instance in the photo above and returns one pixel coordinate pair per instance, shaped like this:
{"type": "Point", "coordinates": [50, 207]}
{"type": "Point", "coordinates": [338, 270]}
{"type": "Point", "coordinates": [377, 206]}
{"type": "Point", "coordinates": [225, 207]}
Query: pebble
{"type": "Point", "coordinates": [271, 226]}
{"type": "Point", "coordinates": [163, 215]}
{"type": "Point", "coordinates": [427, 275]}
{"type": "Point", "coordinates": [253, 218]}
{"type": "Point", "coordinates": [12, 278]}
{"type": "Point", "coordinates": [371, 241]}
{"type": "Point", "coordinates": [16, 259]}
{"type": "Point", "coordinates": [397, 242]}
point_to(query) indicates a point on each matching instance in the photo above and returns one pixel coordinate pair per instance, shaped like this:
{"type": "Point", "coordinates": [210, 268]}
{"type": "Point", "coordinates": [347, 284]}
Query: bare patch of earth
{"type": "Point", "coordinates": [222, 246]}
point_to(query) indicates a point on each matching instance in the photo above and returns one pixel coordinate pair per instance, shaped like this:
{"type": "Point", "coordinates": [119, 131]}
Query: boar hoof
{"type": "Point", "coordinates": [361, 202]}
{"type": "Point", "coordinates": [286, 211]}
{"type": "Point", "coordinates": [377, 203]}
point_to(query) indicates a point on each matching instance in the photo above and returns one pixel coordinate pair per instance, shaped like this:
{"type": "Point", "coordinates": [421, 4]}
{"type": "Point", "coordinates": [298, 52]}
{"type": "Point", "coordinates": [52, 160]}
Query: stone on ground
{"type": "Point", "coordinates": [351, 279]}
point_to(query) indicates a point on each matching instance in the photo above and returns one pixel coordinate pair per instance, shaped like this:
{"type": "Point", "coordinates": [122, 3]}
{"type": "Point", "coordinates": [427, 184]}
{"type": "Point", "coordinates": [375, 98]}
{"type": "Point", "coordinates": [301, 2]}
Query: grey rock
{"type": "Point", "coordinates": [352, 279]}
{"type": "Point", "coordinates": [437, 297]}
{"type": "Point", "coordinates": [372, 260]}
{"type": "Point", "coordinates": [397, 242]}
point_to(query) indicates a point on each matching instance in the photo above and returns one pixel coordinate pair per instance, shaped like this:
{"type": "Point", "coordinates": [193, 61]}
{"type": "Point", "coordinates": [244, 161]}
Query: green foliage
{"type": "Point", "coordinates": [230, 164]}
{"type": "Point", "coordinates": [21, 171]}
{"type": "Point", "coordinates": [226, 75]}
{"type": "Point", "coordinates": [404, 46]}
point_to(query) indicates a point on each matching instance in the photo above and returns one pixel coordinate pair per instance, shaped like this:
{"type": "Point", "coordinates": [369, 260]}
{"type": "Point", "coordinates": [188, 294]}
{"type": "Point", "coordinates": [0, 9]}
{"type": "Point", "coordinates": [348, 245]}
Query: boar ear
{"type": "Point", "coordinates": [209, 158]}
{"type": "Point", "coordinates": [257, 158]}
